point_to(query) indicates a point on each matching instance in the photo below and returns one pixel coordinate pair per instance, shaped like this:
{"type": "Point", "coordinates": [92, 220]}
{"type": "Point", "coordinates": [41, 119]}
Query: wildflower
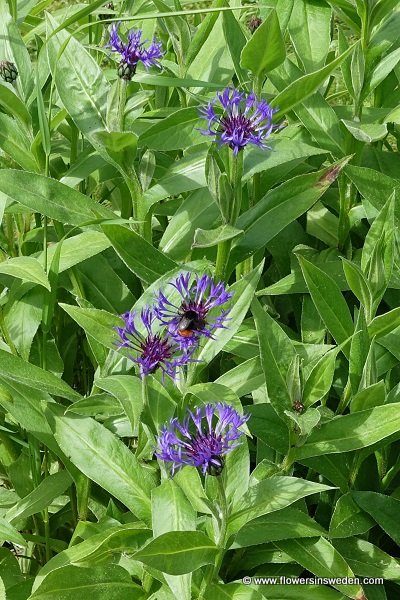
{"type": "Point", "coordinates": [205, 445]}
{"type": "Point", "coordinates": [190, 320]}
{"type": "Point", "coordinates": [245, 119]}
{"type": "Point", "coordinates": [132, 52]}
{"type": "Point", "coordinates": [153, 350]}
{"type": "Point", "coordinates": [254, 23]}
{"type": "Point", "coordinates": [8, 71]}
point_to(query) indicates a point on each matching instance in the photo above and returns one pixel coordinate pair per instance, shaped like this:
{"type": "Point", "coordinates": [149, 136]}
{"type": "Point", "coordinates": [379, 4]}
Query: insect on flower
{"type": "Point", "coordinates": [133, 51]}
{"type": "Point", "coordinates": [190, 320]}
{"type": "Point", "coordinates": [202, 438]}
{"type": "Point", "coordinates": [239, 119]}
{"type": "Point", "coordinates": [153, 350]}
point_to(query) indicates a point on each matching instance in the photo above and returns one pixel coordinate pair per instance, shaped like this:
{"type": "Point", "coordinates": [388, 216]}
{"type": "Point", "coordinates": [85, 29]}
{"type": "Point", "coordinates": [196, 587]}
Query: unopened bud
{"type": "Point", "coordinates": [8, 71]}
{"type": "Point", "coordinates": [126, 71]}
{"type": "Point", "coordinates": [298, 406]}
{"type": "Point", "coordinates": [254, 23]}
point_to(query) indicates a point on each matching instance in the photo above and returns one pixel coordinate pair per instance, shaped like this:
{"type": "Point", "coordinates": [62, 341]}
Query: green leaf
{"type": "Point", "coordinates": [185, 175]}
{"type": "Point", "coordinates": [314, 112]}
{"type": "Point", "coordinates": [97, 323]}
{"type": "Point", "coordinates": [319, 381]}
{"type": "Point", "coordinates": [140, 257]}
{"type": "Point", "coordinates": [351, 432]}
{"type": "Point", "coordinates": [310, 32]}
{"type": "Point", "coordinates": [373, 395]}
{"type": "Point", "coordinates": [9, 533]}
{"type": "Point", "coordinates": [328, 301]}
{"type": "Point", "coordinates": [366, 133]}
{"type": "Point", "coordinates": [206, 238]}
{"type": "Point", "coordinates": [105, 582]}
{"type": "Point", "coordinates": [13, 104]}
{"type": "Point", "coordinates": [48, 490]}
{"type": "Point", "coordinates": [265, 50]}
{"type": "Point", "coordinates": [384, 324]}
{"type": "Point", "coordinates": [177, 82]}
{"type": "Point", "coordinates": [51, 198]}
{"type": "Point", "coordinates": [178, 552]}
{"type": "Point", "coordinates": [368, 560]}
{"type": "Point", "coordinates": [322, 559]}
{"type": "Point", "coordinates": [301, 88]}
{"type": "Point", "coordinates": [198, 210]}
{"type": "Point", "coordinates": [280, 525]}
{"type": "Point", "coordinates": [232, 591]}
{"type": "Point", "coordinates": [276, 210]}
{"type": "Point", "coordinates": [245, 378]}
{"type": "Point", "coordinates": [358, 283]}
{"type": "Point", "coordinates": [107, 543]}
{"type": "Point", "coordinates": [242, 293]}
{"type": "Point", "coordinates": [383, 509]}
{"type": "Point", "coordinates": [80, 83]}
{"type": "Point", "coordinates": [172, 511]}
{"type": "Point", "coordinates": [15, 143]}
{"type": "Point", "coordinates": [26, 268]}
{"type": "Point", "coordinates": [179, 130]}
{"type": "Point", "coordinates": [276, 354]}
{"type": "Point", "coordinates": [236, 41]}
{"type": "Point", "coordinates": [104, 458]}
{"type": "Point", "coordinates": [128, 391]}
{"type": "Point", "coordinates": [268, 427]}
{"type": "Point", "coordinates": [348, 520]}
{"type": "Point", "coordinates": [16, 369]}
{"type": "Point", "coordinates": [270, 495]}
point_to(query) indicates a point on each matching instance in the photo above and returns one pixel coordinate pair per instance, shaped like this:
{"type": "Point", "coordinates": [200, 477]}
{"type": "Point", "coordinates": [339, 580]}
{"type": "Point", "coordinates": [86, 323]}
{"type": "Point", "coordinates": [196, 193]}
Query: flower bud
{"type": "Point", "coordinates": [8, 71]}
{"type": "Point", "coordinates": [126, 71]}
{"type": "Point", "coordinates": [254, 23]}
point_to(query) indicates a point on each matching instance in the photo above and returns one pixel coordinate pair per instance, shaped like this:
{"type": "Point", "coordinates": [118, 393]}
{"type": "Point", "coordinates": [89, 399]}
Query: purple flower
{"type": "Point", "coordinates": [190, 320]}
{"type": "Point", "coordinates": [199, 442]}
{"type": "Point", "coordinates": [245, 119]}
{"type": "Point", "coordinates": [132, 52]}
{"type": "Point", "coordinates": [153, 350]}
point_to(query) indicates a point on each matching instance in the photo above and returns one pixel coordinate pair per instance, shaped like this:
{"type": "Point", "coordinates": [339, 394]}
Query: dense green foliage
{"type": "Point", "coordinates": [109, 191]}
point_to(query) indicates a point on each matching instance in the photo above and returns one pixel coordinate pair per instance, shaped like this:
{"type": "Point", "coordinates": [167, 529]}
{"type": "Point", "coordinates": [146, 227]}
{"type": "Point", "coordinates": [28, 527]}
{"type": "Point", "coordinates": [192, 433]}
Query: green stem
{"type": "Point", "coordinates": [224, 248]}
{"type": "Point", "coordinates": [223, 252]}
{"type": "Point", "coordinates": [83, 491]}
{"type": "Point", "coordinates": [122, 94]}
{"type": "Point", "coordinates": [221, 542]}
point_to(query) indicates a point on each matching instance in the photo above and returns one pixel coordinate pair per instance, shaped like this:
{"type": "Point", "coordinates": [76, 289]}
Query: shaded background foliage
{"type": "Point", "coordinates": [312, 348]}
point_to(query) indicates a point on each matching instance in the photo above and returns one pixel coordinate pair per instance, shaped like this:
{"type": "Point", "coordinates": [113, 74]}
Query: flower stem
{"type": "Point", "coordinates": [223, 252]}
{"type": "Point", "coordinates": [224, 248]}
{"type": "Point", "coordinates": [122, 93]}
{"type": "Point", "coordinates": [223, 527]}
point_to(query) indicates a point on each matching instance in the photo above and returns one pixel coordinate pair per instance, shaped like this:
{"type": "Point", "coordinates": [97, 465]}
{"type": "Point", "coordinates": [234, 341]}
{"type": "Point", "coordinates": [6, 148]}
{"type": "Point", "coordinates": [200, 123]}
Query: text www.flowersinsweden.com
{"type": "Point", "coordinates": [282, 580]}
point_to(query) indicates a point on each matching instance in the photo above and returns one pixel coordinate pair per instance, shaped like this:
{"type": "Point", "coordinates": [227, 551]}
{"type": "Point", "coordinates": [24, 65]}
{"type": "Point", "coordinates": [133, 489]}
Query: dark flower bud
{"type": "Point", "coordinates": [8, 71]}
{"type": "Point", "coordinates": [110, 6]}
{"type": "Point", "coordinates": [254, 23]}
{"type": "Point", "coordinates": [126, 71]}
{"type": "Point", "coordinates": [298, 406]}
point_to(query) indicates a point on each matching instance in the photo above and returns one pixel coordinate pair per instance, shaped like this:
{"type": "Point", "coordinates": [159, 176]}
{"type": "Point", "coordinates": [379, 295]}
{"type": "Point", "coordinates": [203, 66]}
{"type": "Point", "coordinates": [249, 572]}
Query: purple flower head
{"type": "Point", "coordinates": [153, 350]}
{"type": "Point", "coordinates": [190, 320]}
{"type": "Point", "coordinates": [245, 119]}
{"type": "Point", "coordinates": [132, 51]}
{"type": "Point", "coordinates": [202, 438]}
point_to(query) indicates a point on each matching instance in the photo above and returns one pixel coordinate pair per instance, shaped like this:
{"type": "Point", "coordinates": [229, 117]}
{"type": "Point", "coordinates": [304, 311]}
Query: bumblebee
{"type": "Point", "coordinates": [189, 323]}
